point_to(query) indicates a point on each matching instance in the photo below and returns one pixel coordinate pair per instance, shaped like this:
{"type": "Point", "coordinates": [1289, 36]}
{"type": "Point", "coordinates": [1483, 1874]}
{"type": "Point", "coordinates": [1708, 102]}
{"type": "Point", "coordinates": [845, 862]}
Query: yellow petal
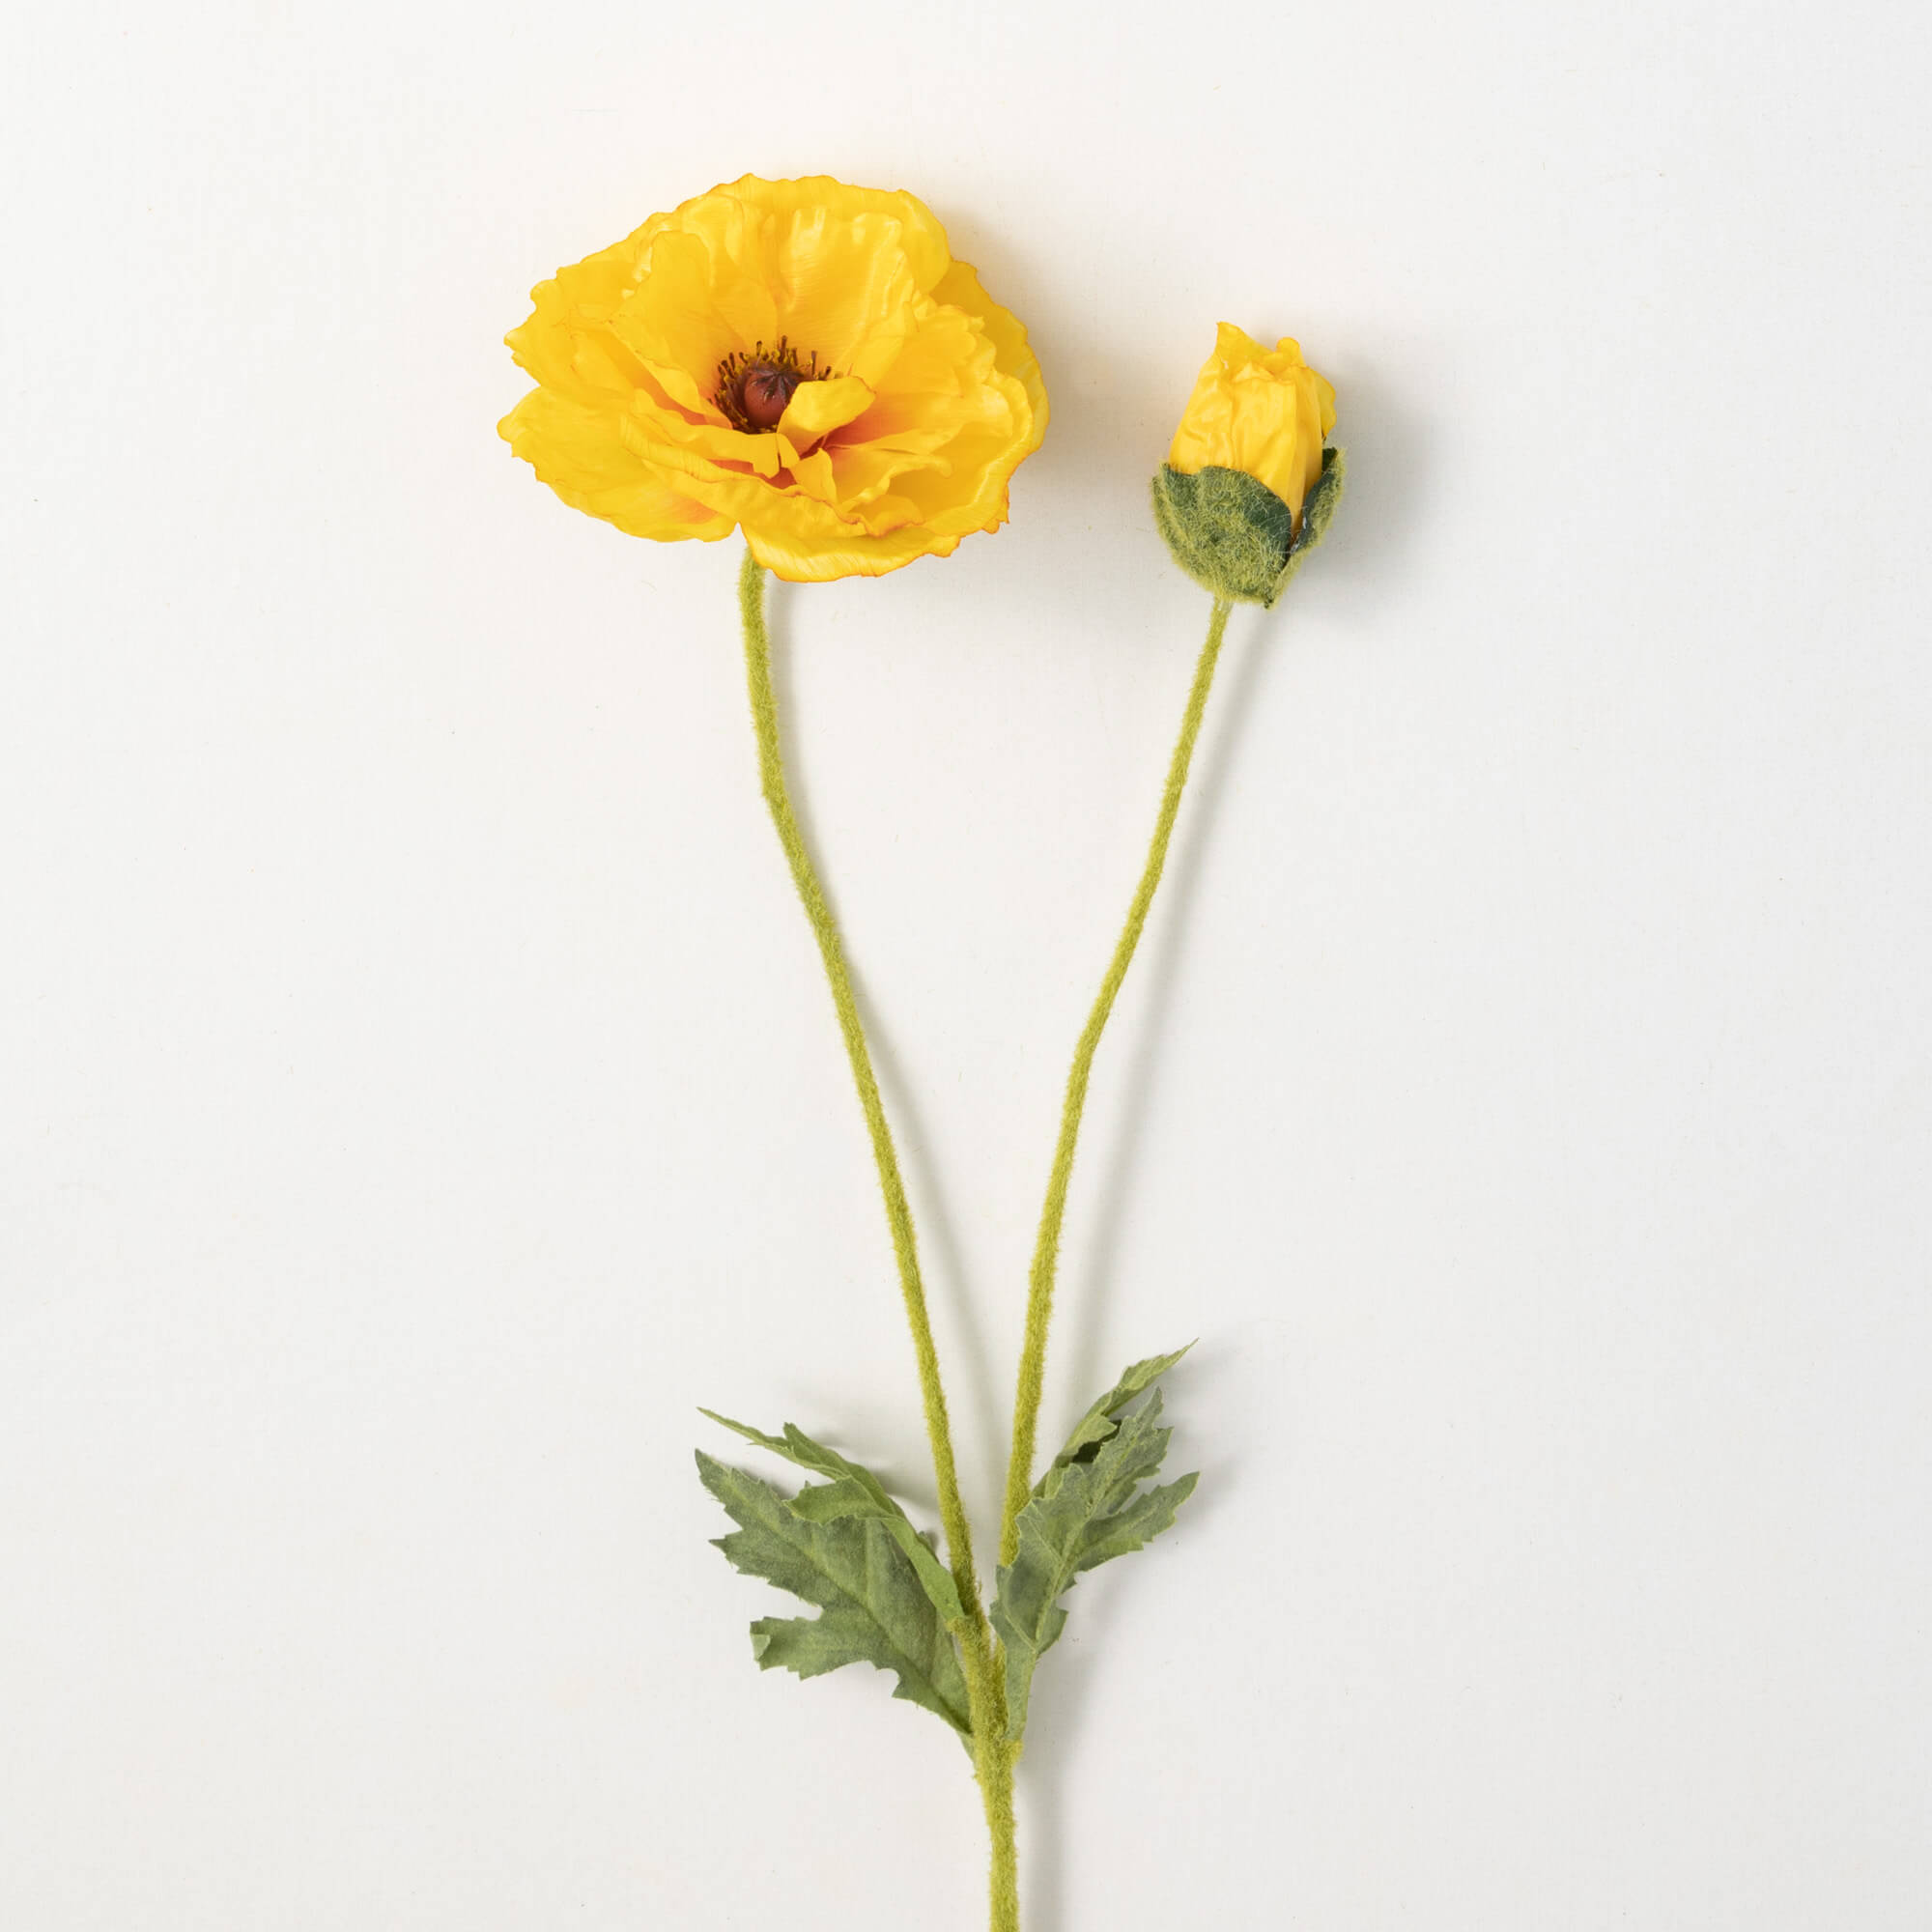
{"type": "Point", "coordinates": [673, 323]}
{"type": "Point", "coordinates": [1257, 410]}
{"type": "Point", "coordinates": [846, 289]}
{"type": "Point", "coordinates": [813, 557]}
{"type": "Point", "coordinates": [920, 234]}
{"type": "Point", "coordinates": [817, 409]}
{"type": "Point", "coordinates": [970, 493]}
{"type": "Point", "coordinates": [579, 454]}
{"type": "Point", "coordinates": [960, 289]}
{"type": "Point", "coordinates": [662, 436]}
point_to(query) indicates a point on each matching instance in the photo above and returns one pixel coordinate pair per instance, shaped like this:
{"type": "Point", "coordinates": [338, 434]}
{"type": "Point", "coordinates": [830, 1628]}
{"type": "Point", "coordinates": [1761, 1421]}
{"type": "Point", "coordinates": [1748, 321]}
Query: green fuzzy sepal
{"type": "Point", "coordinates": [1234, 535]}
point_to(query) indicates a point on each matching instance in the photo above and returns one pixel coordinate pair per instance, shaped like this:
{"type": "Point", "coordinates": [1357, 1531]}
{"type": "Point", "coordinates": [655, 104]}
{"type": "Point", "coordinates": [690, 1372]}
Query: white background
{"type": "Point", "coordinates": [417, 1092]}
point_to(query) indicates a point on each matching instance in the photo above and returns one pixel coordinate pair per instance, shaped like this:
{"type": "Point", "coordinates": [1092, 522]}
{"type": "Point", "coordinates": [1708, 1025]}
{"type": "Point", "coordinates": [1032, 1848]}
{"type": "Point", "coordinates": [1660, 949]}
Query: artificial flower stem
{"type": "Point", "coordinates": [1046, 1245]}
{"type": "Point", "coordinates": [898, 1213]}
{"type": "Point", "coordinates": [995, 1787]}
{"type": "Point", "coordinates": [994, 1756]}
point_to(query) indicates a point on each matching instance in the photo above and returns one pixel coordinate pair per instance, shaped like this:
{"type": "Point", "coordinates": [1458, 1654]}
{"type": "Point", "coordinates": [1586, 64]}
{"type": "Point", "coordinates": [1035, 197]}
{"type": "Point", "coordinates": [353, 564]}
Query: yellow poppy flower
{"type": "Point", "coordinates": [1261, 410]}
{"type": "Point", "coordinates": [800, 360]}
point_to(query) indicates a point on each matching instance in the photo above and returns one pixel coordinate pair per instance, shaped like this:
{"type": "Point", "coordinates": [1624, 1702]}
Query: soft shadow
{"type": "Point", "coordinates": [1115, 403]}
{"type": "Point", "coordinates": [1063, 1697]}
{"type": "Point", "coordinates": [1070, 1682]}
{"type": "Point", "coordinates": [1385, 501]}
{"type": "Point", "coordinates": [942, 1263]}
{"type": "Point", "coordinates": [1388, 503]}
{"type": "Point", "coordinates": [1064, 1690]}
{"type": "Point", "coordinates": [1158, 968]}
{"type": "Point", "coordinates": [1387, 493]}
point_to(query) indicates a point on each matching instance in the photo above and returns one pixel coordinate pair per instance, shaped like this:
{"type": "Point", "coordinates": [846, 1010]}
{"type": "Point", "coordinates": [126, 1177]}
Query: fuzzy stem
{"type": "Point", "coordinates": [898, 1214]}
{"type": "Point", "coordinates": [995, 1787]}
{"type": "Point", "coordinates": [1047, 1246]}
{"type": "Point", "coordinates": [994, 1756]}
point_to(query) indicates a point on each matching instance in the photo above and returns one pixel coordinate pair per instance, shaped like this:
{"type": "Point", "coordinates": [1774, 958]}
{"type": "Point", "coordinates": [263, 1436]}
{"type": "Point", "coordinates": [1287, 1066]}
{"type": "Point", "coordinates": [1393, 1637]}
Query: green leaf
{"type": "Point", "coordinates": [1088, 1508]}
{"type": "Point", "coordinates": [876, 1611]}
{"type": "Point", "coordinates": [1098, 1425]}
{"type": "Point", "coordinates": [1317, 512]}
{"type": "Point", "coordinates": [854, 1492]}
{"type": "Point", "coordinates": [1234, 535]}
{"type": "Point", "coordinates": [1226, 529]}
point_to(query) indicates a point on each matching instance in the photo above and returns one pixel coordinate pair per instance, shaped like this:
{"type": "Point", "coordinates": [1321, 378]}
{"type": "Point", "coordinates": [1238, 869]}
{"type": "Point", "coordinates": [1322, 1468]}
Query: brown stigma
{"type": "Point", "coordinates": [753, 388]}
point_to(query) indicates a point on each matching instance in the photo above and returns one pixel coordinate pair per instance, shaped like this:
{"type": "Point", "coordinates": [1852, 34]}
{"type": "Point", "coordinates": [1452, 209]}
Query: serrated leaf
{"type": "Point", "coordinates": [854, 1490]}
{"type": "Point", "coordinates": [1099, 1424]}
{"type": "Point", "coordinates": [1086, 1509]}
{"type": "Point", "coordinates": [874, 1608]}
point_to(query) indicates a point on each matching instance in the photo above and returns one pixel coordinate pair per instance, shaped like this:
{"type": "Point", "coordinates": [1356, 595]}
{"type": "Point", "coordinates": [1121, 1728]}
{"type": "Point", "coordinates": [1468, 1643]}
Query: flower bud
{"type": "Point", "coordinates": [1247, 489]}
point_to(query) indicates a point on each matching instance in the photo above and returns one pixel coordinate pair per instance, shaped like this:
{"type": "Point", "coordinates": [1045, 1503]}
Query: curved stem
{"type": "Point", "coordinates": [1047, 1246]}
{"type": "Point", "coordinates": [898, 1214]}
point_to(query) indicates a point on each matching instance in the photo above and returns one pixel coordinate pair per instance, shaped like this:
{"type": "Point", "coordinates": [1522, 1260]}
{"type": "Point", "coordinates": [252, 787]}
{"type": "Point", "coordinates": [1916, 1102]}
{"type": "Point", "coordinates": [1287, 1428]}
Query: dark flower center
{"type": "Point", "coordinates": [754, 390]}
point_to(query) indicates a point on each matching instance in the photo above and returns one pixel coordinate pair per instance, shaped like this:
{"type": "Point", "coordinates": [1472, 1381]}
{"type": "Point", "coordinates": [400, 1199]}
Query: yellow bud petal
{"type": "Point", "coordinates": [1259, 410]}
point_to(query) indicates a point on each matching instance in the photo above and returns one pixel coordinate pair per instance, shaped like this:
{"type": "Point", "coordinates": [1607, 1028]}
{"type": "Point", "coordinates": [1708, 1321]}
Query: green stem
{"type": "Point", "coordinates": [985, 1687]}
{"type": "Point", "coordinates": [994, 1756]}
{"type": "Point", "coordinates": [995, 1787]}
{"type": "Point", "coordinates": [1047, 1246]}
{"type": "Point", "coordinates": [898, 1214]}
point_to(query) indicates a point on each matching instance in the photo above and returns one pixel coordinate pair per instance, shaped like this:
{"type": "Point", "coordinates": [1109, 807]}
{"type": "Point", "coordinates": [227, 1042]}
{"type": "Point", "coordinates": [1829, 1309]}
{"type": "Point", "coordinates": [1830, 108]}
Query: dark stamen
{"type": "Point", "coordinates": [754, 390]}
